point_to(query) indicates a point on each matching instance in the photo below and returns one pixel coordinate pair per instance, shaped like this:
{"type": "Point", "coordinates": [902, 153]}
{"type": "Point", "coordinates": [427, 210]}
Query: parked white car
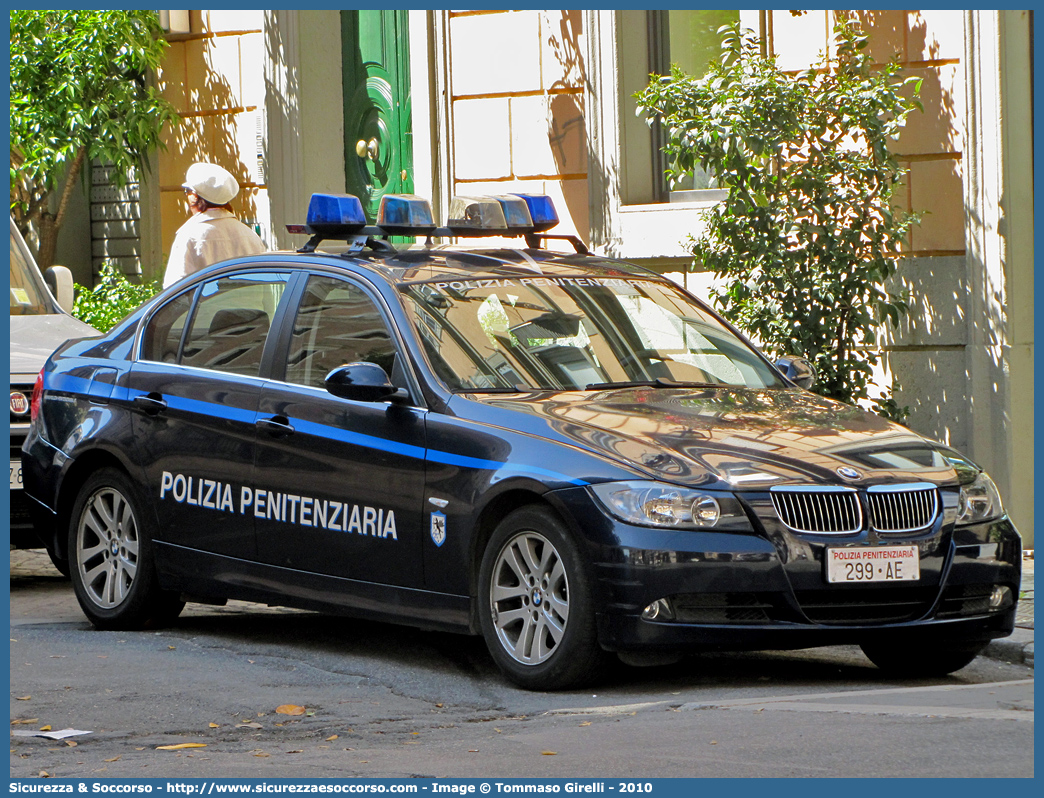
{"type": "Point", "coordinates": [40, 322]}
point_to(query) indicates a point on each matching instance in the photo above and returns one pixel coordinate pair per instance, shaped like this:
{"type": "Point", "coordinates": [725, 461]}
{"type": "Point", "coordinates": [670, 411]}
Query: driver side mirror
{"type": "Point", "coordinates": [60, 280]}
{"type": "Point", "coordinates": [363, 382]}
{"type": "Point", "coordinates": [798, 370]}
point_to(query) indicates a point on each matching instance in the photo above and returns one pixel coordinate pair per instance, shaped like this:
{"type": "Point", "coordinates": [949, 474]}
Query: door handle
{"type": "Point", "coordinates": [368, 149]}
{"type": "Point", "coordinates": [276, 426]}
{"type": "Point", "coordinates": [151, 403]}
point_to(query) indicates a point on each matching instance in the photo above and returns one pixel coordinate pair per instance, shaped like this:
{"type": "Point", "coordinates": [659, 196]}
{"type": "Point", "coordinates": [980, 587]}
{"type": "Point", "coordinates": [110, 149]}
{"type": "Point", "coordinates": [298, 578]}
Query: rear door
{"type": "Point", "coordinates": [195, 390]}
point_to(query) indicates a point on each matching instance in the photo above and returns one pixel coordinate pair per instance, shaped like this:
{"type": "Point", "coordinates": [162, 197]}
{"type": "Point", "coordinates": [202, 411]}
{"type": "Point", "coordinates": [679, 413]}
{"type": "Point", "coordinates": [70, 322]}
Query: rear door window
{"type": "Point", "coordinates": [228, 325]}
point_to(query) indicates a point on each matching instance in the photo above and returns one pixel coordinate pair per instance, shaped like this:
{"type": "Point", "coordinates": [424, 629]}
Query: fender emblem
{"type": "Point", "coordinates": [438, 528]}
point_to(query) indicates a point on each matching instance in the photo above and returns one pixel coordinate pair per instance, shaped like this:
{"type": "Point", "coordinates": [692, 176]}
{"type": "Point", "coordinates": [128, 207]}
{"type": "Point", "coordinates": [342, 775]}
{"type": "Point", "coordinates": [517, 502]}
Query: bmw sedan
{"type": "Point", "coordinates": [566, 454]}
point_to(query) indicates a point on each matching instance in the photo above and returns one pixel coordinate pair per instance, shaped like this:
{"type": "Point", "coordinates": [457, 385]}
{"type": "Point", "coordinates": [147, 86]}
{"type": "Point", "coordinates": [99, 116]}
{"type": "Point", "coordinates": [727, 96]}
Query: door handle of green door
{"type": "Point", "coordinates": [367, 149]}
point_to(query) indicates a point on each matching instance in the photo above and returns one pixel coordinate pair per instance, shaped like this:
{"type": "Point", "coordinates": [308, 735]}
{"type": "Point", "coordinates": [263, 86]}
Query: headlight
{"type": "Point", "coordinates": [980, 501]}
{"type": "Point", "coordinates": [658, 504]}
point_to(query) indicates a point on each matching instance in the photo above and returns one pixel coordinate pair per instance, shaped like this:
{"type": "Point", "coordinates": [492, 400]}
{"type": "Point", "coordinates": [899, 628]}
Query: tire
{"type": "Point", "coordinates": [921, 659]}
{"type": "Point", "coordinates": [61, 563]}
{"type": "Point", "coordinates": [535, 605]}
{"type": "Point", "coordinates": [111, 561]}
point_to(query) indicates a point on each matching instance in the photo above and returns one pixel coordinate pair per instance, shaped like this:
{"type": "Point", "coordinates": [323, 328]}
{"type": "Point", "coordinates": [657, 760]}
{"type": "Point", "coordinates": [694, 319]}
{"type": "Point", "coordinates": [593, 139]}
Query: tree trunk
{"type": "Point", "coordinates": [47, 232]}
{"type": "Point", "coordinates": [48, 225]}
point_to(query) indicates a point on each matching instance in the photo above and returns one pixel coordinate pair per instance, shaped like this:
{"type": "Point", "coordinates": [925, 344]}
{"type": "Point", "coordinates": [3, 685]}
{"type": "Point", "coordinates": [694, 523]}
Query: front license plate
{"type": "Point", "coordinates": [878, 564]}
{"type": "Point", "coordinates": [16, 475]}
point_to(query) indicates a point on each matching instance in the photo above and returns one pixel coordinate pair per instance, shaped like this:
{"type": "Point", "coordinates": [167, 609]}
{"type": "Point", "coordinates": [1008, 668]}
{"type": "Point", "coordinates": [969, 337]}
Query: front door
{"type": "Point", "coordinates": [338, 484]}
{"type": "Point", "coordinates": [378, 138]}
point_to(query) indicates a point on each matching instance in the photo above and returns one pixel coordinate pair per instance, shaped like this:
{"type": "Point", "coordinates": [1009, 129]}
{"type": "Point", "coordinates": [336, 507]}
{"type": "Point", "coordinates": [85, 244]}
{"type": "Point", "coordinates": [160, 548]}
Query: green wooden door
{"type": "Point", "coordinates": [378, 137]}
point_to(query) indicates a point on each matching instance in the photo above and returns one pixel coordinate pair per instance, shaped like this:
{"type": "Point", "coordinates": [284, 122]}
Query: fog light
{"type": "Point", "coordinates": [1000, 597]}
{"type": "Point", "coordinates": [659, 610]}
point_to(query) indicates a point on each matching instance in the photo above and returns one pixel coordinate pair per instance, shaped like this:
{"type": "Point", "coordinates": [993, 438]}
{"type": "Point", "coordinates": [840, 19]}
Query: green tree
{"type": "Point", "coordinates": [807, 236]}
{"type": "Point", "coordinates": [78, 93]}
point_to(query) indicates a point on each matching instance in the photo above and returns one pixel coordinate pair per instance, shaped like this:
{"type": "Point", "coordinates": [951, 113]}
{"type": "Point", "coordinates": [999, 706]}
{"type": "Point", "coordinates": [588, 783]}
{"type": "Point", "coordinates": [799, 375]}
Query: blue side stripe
{"type": "Point", "coordinates": [70, 384]}
{"type": "Point", "coordinates": [207, 408]}
{"type": "Point", "coordinates": [474, 462]}
{"type": "Point", "coordinates": [419, 453]}
{"type": "Point", "coordinates": [66, 383]}
{"type": "Point", "coordinates": [358, 439]}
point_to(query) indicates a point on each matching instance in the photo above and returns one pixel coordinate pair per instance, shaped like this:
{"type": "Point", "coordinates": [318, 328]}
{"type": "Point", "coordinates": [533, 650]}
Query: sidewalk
{"type": "Point", "coordinates": [1019, 647]}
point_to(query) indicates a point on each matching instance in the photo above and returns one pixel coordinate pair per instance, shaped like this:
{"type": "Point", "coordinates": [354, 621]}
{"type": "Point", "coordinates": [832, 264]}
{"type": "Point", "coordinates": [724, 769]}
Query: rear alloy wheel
{"type": "Point", "coordinates": [921, 659]}
{"type": "Point", "coordinates": [111, 564]}
{"type": "Point", "coordinates": [536, 610]}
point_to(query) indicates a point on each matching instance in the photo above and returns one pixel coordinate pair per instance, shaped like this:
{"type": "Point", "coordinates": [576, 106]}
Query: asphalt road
{"type": "Point", "coordinates": [380, 700]}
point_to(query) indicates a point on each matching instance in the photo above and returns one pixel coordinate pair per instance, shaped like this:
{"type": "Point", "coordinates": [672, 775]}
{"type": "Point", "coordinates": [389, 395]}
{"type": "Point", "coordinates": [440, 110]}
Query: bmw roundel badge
{"type": "Point", "coordinates": [848, 472]}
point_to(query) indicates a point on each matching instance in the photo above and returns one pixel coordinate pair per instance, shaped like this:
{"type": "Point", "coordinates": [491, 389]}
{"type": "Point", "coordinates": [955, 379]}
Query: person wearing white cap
{"type": "Point", "coordinates": [213, 233]}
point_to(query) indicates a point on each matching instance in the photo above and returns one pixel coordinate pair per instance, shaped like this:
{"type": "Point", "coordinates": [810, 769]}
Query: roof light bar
{"type": "Point", "coordinates": [341, 217]}
{"type": "Point", "coordinates": [516, 214]}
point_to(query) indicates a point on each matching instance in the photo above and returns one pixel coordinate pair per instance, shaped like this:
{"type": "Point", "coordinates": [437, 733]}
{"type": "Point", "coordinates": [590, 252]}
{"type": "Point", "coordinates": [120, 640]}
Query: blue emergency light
{"type": "Point", "coordinates": [516, 214]}
{"type": "Point", "coordinates": [334, 213]}
{"type": "Point", "coordinates": [541, 211]}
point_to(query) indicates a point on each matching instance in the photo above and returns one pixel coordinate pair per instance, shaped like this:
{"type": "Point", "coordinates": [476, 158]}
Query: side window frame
{"type": "Point", "coordinates": [294, 279]}
{"type": "Point", "coordinates": [140, 343]}
{"type": "Point", "coordinates": [281, 352]}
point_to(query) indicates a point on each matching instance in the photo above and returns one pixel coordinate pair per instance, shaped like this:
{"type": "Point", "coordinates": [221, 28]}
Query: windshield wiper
{"type": "Point", "coordinates": [499, 389]}
{"type": "Point", "coordinates": [659, 382]}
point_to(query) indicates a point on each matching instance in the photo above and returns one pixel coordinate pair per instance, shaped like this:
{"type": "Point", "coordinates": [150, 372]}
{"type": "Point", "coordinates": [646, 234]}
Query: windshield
{"type": "Point", "coordinates": [29, 297]}
{"type": "Point", "coordinates": [576, 333]}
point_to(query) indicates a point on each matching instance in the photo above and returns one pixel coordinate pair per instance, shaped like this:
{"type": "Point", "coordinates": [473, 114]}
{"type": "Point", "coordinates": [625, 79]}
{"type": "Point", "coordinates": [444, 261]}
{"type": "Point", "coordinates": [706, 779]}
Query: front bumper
{"type": "Point", "coordinates": [768, 589]}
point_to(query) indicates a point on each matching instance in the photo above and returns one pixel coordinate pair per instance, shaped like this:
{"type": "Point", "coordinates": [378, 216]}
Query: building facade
{"type": "Point", "coordinates": [470, 102]}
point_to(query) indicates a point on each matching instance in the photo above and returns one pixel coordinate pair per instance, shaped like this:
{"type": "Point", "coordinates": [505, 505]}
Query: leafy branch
{"type": "Point", "coordinates": [107, 303]}
{"type": "Point", "coordinates": [807, 236]}
{"type": "Point", "coordinates": [79, 95]}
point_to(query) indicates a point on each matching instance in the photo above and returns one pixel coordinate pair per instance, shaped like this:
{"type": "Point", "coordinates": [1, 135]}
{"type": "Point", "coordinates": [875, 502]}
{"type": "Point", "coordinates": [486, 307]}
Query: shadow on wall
{"type": "Point", "coordinates": [566, 130]}
{"type": "Point", "coordinates": [282, 90]}
{"type": "Point", "coordinates": [925, 357]}
{"type": "Point", "coordinates": [214, 128]}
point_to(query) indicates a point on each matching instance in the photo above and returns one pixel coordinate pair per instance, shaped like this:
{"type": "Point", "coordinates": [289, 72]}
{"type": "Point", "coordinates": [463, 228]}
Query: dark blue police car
{"type": "Point", "coordinates": [565, 453]}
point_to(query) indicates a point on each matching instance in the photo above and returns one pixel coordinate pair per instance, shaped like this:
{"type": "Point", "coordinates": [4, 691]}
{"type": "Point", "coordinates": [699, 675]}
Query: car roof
{"type": "Point", "coordinates": [448, 263]}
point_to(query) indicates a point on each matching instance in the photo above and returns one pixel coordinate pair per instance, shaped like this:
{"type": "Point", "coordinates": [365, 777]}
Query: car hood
{"type": "Point", "coordinates": [747, 439]}
{"type": "Point", "coordinates": [33, 338]}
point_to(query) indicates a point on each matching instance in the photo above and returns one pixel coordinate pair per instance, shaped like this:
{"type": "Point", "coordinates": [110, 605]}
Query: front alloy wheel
{"type": "Point", "coordinates": [529, 598]}
{"type": "Point", "coordinates": [535, 605]}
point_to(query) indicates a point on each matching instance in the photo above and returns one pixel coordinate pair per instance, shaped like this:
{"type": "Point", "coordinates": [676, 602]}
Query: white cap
{"type": "Point", "coordinates": [211, 182]}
